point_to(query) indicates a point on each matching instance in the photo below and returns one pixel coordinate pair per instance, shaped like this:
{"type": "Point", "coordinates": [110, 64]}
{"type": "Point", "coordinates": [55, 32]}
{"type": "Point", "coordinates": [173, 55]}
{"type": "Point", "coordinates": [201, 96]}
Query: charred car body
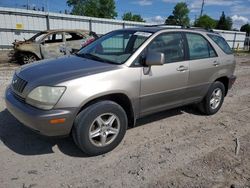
{"type": "Point", "coordinates": [52, 44]}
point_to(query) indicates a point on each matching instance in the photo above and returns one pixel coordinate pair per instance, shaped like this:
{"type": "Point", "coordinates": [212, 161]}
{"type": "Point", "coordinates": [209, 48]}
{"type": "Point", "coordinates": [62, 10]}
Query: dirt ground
{"type": "Point", "coordinates": [175, 148]}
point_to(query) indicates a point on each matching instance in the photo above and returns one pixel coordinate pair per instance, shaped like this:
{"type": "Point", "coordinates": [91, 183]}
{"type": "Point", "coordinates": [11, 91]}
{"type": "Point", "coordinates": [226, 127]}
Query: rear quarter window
{"type": "Point", "coordinates": [222, 43]}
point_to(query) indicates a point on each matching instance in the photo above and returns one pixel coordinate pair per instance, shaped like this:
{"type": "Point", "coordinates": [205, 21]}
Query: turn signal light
{"type": "Point", "coordinates": [57, 121]}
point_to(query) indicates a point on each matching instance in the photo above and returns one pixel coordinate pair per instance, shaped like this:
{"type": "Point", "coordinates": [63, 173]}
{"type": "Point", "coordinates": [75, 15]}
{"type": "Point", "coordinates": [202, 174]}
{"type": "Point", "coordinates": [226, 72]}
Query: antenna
{"type": "Point", "coordinates": [202, 7]}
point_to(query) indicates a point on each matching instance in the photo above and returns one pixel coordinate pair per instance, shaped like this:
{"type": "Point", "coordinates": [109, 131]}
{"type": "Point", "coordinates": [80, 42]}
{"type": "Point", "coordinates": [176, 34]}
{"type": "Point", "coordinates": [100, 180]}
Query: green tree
{"type": "Point", "coordinates": [224, 23]}
{"type": "Point", "coordinates": [179, 15]}
{"type": "Point", "coordinates": [206, 22]}
{"type": "Point", "coordinates": [170, 20]}
{"type": "Point", "coordinates": [246, 28]}
{"type": "Point", "coordinates": [93, 8]}
{"type": "Point", "coordinates": [132, 17]}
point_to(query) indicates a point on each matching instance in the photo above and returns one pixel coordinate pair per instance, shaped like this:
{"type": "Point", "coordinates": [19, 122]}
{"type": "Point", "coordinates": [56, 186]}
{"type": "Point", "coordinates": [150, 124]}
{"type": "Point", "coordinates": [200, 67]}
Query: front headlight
{"type": "Point", "coordinates": [45, 97]}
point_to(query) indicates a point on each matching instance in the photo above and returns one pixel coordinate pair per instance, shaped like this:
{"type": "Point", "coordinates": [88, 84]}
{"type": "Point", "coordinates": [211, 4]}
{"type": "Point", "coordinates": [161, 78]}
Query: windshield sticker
{"type": "Point", "coordinates": [143, 34]}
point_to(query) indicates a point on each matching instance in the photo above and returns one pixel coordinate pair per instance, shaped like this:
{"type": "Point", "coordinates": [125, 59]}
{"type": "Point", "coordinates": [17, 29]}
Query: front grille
{"type": "Point", "coordinates": [18, 84]}
{"type": "Point", "coordinates": [18, 97]}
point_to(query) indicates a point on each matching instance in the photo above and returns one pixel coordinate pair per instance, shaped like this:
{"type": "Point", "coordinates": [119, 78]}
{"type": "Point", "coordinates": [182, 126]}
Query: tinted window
{"type": "Point", "coordinates": [199, 47]}
{"type": "Point", "coordinates": [171, 44]}
{"type": "Point", "coordinates": [221, 42]}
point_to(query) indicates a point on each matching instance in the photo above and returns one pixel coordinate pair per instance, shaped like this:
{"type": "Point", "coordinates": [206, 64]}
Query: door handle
{"type": "Point", "coordinates": [182, 68]}
{"type": "Point", "coordinates": [216, 63]}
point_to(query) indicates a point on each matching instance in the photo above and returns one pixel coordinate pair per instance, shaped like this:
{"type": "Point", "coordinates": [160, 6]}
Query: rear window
{"type": "Point", "coordinates": [222, 43]}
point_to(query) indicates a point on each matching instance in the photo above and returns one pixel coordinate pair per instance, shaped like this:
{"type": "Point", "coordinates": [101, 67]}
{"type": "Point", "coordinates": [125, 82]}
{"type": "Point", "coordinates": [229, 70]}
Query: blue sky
{"type": "Point", "coordinates": [157, 10]}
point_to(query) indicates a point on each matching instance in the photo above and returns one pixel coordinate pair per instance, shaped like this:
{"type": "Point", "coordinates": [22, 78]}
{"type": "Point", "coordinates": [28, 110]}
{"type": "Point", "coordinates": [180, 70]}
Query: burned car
{"type": "Point", "coordinates": [52, 44]}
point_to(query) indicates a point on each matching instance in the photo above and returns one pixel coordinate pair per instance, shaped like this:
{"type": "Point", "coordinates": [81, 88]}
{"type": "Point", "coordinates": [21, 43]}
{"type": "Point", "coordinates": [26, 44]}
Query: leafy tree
{"type": "Point", "coordinates": [224, 23]}
{"type": "Point", "coordinates": [246, 28]}
{"type": "Point", "coordinates": [132, 17]}
{"type": "Point", "coordinates": [170, 20]}
{"type": "Point", "coordinates": [206, 22]}
{"type": "Point", "coordinates": [179, 15]}
{"type": "Point", "coordinates": [94, 8]}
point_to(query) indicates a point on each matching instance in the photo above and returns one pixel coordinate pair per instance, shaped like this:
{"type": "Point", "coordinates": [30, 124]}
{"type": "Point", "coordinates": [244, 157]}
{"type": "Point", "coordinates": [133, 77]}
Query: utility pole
{"type": "Point", "coordinates": [202, 6]}
{"type": "Point", "coordinates": [47, 5]}
{"type": "Point", "coordinates": [27, 4]}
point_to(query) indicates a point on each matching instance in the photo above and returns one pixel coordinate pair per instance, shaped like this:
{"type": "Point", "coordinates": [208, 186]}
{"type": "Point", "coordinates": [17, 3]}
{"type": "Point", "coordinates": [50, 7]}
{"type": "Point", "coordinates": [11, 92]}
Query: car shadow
{"type": "Point", "coordinates": [24, 141]}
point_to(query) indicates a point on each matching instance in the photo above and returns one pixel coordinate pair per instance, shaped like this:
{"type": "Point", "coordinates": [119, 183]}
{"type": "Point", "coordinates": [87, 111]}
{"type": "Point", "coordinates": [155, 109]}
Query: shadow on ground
{"type": "Point", "coordinates": [23, 141]}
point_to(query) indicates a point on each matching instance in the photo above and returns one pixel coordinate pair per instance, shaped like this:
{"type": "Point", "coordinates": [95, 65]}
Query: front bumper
{"type": "Point", "coordinates": [39, 120]}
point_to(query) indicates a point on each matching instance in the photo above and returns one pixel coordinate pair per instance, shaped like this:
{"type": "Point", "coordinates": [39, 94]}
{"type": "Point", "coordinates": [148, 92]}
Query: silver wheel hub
{"type": "Point", "coordinates": [29, 59]}
{"type": "Point", "coordinates": [104, 130]}
{"type": "Point", "coordinates": [215, 99]}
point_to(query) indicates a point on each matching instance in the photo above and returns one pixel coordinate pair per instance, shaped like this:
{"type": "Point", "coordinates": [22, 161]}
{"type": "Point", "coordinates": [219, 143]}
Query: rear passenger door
{"type": "Point", "coordinates": [163, 86]}
{"type": "Point", "coordinates": [203, 65]}
{"type": "Point", "coordinates": [73, 41]}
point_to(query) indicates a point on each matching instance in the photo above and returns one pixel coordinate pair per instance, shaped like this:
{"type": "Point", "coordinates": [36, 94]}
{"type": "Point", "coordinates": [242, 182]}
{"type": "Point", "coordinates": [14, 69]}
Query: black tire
{"type": "Point", "coordinates": [28, 58]}
{"type": "Point", "coordinates": [84, 122]}
{"type": "Point", "coordinates": [205, 106]}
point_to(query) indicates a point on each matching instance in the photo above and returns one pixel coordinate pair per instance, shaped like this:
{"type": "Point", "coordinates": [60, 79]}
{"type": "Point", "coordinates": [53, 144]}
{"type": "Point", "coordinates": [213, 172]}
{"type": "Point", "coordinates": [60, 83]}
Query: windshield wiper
{"type": "Point", "coordinates": [94, 57]}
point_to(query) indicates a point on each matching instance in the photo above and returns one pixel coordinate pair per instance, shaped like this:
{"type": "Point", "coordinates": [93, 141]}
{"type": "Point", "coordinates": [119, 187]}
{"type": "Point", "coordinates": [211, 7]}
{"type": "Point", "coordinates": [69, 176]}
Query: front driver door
{"type": "Point", "coordinates": [52, 45]}
{"type": "Point", "coordinates": [163, 87]}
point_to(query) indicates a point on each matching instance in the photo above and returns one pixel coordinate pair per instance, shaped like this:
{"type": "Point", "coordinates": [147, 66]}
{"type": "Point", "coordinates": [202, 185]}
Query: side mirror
{"type": "Point", "coordinates": [155, 58]}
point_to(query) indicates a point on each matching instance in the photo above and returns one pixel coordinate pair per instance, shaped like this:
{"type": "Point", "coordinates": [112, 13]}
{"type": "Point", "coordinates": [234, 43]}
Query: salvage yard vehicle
{"type": "Point", "coordinates": [122, 76]}
{"type": "Point", "coordinates": [52, 44]}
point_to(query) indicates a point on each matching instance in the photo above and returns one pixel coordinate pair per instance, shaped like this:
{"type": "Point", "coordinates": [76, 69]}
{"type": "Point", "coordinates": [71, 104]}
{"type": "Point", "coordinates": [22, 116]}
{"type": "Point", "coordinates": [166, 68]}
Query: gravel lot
{"type": "Point", "coordinates": [175, 148]}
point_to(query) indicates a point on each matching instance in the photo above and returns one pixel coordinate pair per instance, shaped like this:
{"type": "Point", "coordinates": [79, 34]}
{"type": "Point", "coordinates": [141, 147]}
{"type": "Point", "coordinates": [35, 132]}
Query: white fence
{"type": "Point", "coordinates": [235, 39]}
{"type": "Point", "coordinates": [16, 24]}
{"type": "Point", "coordinates": [19, 23]}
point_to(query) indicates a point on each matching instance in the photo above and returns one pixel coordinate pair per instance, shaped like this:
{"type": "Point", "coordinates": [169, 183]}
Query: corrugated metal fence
{"type": "Point", "coordinates": [19, 23]}
{"type": "Point", "coordinates": [16, 24]}
{"type": "Point", "coordinates": [235, 39]}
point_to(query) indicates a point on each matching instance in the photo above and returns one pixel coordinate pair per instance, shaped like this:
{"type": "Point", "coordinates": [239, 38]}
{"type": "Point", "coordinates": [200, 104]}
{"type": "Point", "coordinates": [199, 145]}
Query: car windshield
{"type": "Point", "coordinates": [38, 36]}
{"type": "Point", "coordinates": [115, 47]}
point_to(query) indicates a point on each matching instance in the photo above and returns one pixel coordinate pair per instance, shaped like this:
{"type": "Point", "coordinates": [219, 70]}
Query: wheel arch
{"type": "Point", "coordinates": [22, 53]}
{"type": "Point", "coordinates": [119, 98]}
{"type": "Point", "coordinates": [225, 81]}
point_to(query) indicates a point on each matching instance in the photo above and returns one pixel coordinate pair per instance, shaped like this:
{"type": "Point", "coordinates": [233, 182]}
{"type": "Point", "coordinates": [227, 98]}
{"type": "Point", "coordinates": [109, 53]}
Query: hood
{"type": "Point", "coordinates": [17, 43]}
{"type": "Point", "coordinates": [51, 72]}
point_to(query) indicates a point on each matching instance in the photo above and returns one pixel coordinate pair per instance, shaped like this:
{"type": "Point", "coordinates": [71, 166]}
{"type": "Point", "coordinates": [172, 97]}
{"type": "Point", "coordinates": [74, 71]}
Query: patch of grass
{"type": "Point", "coordinates": [241, 53]}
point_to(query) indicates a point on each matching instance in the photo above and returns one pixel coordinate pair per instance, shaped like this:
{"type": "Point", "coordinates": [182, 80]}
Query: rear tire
{"type": "Point", "coordinates": [100, 127]}
{"type": "Point", "coordinates": [213, 100]}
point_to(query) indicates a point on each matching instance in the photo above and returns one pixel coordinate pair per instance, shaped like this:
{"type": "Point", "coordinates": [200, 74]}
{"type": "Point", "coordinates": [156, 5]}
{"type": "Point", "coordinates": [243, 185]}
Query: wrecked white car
{"type": "Point", "coordinates": [52, 44]}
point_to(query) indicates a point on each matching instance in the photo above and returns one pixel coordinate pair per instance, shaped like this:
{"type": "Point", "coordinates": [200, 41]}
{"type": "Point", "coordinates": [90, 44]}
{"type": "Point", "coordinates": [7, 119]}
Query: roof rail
{"type": "Point", "coordinates": [181, 27]}
{"type": "Point", "coordinates": [201, 29]}
{"type": "Point", "coordinates": [164, 25]}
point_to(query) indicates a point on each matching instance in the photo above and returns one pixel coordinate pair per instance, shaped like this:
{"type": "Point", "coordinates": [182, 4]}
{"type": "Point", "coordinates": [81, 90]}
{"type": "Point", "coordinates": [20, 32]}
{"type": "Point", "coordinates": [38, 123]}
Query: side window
{"type": "Point", "coordinates": [199, 47]}
{"type": "Point", "coordinates": [171, 44]}
{"type": "Point", "coordinates": [53, 38]}
{"type": "Point", "coordinates": [73, 36]}
{"type": "Point", "coordinates": [221, 42]}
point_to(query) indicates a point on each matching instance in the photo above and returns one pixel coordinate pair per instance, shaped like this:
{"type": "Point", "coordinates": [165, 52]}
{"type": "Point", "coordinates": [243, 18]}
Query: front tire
{"type": "Point", "coordinates": [28, 58]}
{"type": "Point", "coordinates": [100, 127]}
{"type": "Point", "coordinates": [214, 99]}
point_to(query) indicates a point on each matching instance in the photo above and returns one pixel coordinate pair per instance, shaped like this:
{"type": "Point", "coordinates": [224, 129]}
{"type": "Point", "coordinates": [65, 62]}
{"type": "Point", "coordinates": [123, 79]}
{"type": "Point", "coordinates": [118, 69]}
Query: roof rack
{"type": "Point", "coordinates": [181, 27]}
{"type": "Point", "coordinates": [201, 29]}
{"type": "Point", "coordinates": [164, 25]}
